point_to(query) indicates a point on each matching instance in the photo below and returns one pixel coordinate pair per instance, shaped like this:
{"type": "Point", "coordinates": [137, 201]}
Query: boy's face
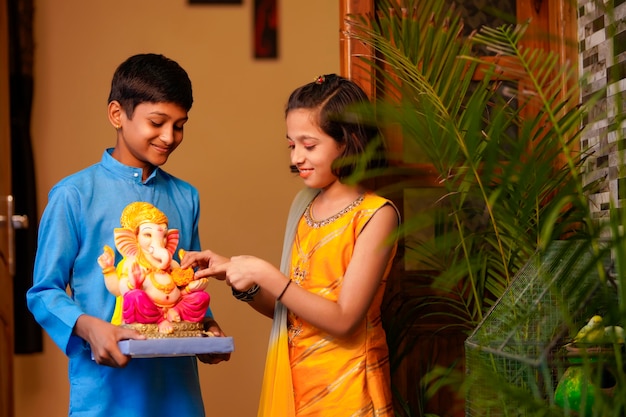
{"type": "Point", "coordinates": [148, 139]}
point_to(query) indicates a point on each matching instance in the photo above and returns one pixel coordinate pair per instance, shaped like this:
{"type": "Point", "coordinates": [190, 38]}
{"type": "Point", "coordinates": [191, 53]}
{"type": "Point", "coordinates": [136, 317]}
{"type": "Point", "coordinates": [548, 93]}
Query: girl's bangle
{"type": "Point", "coordinates": [248, 295]}
{"type": "Point", "coordinates": [283, 291]}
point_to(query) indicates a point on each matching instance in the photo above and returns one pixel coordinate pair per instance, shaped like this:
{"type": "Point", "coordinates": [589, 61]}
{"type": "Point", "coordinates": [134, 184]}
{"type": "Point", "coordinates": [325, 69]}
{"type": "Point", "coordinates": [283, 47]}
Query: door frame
{"type": "Point", "coordinates": [6, 278]}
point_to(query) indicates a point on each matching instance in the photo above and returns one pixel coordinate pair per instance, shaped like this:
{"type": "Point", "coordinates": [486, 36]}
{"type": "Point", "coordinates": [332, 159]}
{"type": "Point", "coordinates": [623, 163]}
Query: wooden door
{"type": "Point", "coordinates": [6, 252]}
{"type": "Point", "coordinates": [553, 27]}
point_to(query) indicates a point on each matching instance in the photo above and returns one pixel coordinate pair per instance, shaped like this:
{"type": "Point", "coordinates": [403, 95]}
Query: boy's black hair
{"type": "Point", "coordinates": [336, 99]}
{"type": "Point", "coordinates": [151, 78]}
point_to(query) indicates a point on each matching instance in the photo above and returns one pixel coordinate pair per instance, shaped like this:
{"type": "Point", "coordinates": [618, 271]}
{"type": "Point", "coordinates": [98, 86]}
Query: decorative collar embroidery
{"type": "Point", "coordinates": [317, 224]}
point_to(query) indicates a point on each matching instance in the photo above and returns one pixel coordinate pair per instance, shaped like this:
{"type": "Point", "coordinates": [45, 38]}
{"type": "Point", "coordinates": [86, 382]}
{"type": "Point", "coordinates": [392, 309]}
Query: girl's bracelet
{"type": "Point", "coordinates": [283, 292]}
{"type": "Point", "coordinates": [248, 295]}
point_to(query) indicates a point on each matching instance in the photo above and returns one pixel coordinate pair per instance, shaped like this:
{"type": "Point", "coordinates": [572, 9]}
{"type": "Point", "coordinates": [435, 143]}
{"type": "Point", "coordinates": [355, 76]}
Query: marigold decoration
{"type": "Point", "coordinates": [181, 276]}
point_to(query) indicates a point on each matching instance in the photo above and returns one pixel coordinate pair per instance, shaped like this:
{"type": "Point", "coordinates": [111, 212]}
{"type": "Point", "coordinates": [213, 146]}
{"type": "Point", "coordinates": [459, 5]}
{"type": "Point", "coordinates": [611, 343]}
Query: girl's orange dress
{"type": "Point", "coordinates": [338, 377]}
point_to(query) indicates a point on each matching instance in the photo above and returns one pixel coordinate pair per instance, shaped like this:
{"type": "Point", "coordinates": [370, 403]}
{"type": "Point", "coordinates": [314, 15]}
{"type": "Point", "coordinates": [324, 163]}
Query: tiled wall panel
{"type": "Point", "coordinates": [602, 60]}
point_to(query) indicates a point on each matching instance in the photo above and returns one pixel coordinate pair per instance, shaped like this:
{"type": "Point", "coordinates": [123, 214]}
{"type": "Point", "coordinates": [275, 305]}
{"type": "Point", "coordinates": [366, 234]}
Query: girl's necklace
{"type": "Point", "coordinates": [317, 224]}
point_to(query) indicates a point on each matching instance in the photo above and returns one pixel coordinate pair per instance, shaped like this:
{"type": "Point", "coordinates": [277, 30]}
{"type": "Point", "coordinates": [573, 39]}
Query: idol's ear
{"type": "Point", "coordinates": [126, 242]}
{"type": "Point", "coordinates": [172, 239]}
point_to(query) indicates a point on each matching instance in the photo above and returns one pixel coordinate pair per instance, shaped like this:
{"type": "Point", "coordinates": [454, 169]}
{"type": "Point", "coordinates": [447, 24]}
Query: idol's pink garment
{"type": "Point", "coordinates": [138, 307]}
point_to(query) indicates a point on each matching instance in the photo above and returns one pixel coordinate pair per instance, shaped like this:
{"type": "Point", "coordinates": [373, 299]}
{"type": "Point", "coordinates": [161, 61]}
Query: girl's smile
{"type": "Point", "coordinates": [305, 173]}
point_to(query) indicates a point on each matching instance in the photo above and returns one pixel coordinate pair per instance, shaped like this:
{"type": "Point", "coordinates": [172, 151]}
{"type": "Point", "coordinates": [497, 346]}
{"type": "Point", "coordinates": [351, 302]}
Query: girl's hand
{"type": "Point", "coordinates": [243, 271]}
{"type": "Point", "coordinates": [202, 262]}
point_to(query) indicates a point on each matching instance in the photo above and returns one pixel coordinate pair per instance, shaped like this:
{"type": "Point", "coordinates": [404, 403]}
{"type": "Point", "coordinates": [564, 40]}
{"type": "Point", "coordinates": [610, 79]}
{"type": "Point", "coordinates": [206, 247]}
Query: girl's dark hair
{"type": "Point", "coordinates": [336, 99]}
{"type": "Point", "coordinates": [150, 78]}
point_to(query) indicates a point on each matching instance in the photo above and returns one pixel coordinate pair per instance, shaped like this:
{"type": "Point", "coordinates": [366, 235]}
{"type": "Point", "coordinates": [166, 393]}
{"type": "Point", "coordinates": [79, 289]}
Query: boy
{"type": "Point", "coordinates": [148, 105]}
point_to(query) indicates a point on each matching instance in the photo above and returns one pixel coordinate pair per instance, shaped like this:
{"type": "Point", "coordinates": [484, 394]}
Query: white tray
{"type": "Point", "coordinates": [176, 346]}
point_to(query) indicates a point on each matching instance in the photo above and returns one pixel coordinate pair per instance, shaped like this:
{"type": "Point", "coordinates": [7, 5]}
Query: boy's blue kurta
{"type": "Point", "coordinates": [82, 211]}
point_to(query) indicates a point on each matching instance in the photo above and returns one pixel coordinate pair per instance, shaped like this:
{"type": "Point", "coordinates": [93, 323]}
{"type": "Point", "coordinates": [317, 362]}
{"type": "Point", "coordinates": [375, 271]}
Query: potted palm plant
{"type": "Point", "coordinates": [510, 175]}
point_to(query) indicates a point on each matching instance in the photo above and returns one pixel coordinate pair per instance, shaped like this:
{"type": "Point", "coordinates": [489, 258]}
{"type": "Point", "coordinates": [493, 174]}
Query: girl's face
{"type": "Point", "coordinates": [148, 139]}
{"type": "Point", "coordinates": [312, 150]}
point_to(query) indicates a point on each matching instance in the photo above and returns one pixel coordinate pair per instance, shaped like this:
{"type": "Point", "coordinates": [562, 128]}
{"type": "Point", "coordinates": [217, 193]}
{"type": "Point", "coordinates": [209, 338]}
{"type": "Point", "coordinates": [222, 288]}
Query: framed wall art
{"type": "Point", "coordinates": [215, 1]}
{"type": "Point", "coordinates": [265, 29]}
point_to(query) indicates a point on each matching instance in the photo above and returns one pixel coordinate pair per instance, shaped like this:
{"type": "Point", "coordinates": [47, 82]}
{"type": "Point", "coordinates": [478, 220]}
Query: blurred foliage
{"type": "Point", "coordinates": [505, 151]}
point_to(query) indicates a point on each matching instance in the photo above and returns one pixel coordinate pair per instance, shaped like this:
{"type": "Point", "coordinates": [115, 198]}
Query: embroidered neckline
{"type": "Point", "coordinates": [317, 224]}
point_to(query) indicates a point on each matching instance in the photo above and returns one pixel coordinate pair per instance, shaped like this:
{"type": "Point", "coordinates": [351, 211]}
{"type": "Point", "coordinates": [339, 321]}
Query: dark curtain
{"type": "Point", "coordinates": [28, 334]}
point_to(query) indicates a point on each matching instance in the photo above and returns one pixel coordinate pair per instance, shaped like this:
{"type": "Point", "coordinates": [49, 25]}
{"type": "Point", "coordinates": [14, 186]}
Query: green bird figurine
{"type": "Point", "coordinates": [614, 334]}
{"type": "Point", "coordinates": [590, 333]}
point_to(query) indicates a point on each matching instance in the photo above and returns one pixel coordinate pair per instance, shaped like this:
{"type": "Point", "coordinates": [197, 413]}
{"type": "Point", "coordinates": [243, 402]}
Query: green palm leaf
{"type": "Point", "coordinates": [509, 173]}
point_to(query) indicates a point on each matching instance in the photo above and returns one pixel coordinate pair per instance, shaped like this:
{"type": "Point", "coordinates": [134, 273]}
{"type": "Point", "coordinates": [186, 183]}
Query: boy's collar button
{"type": "Point", "coordinates": [135, 175]}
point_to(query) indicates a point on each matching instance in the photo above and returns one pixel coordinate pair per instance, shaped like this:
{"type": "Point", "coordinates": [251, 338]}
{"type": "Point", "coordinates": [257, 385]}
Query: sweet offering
{"type": "Point", "coordinates": [154, 295]}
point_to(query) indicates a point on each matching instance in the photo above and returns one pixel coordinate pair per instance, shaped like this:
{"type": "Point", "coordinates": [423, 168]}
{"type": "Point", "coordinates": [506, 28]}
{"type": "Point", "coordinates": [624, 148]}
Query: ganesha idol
{"type": "Point", "coordinates": [151, 288]}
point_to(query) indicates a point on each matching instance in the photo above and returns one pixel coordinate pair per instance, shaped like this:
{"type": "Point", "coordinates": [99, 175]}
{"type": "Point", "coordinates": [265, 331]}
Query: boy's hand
{"type": "Point", "coordinates": [213, 358]}
{"type": "Point", "coordinates": [103, 336]}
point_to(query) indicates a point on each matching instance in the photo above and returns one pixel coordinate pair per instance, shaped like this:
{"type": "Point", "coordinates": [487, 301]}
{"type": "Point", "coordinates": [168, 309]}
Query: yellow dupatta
{"type": "Point", "coordinates": [277, 389]}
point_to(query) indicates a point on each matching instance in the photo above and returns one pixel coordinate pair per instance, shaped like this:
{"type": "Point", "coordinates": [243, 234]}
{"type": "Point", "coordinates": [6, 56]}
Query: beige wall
{"type": "Point", "coordinates": [234, 149]}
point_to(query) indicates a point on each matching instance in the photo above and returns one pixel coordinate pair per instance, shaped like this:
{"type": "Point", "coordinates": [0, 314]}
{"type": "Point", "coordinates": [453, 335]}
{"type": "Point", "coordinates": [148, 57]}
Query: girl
{"type": "Point", "coordinates": [327, 353]}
